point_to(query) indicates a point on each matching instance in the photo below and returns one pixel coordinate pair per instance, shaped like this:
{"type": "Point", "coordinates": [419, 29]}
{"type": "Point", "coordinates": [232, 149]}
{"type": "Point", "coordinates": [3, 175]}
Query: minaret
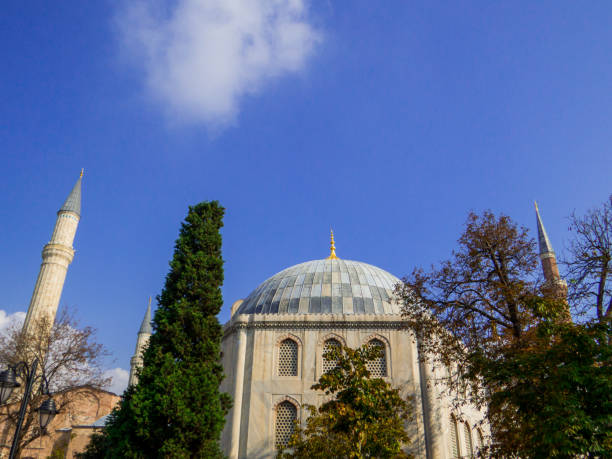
{"type": "Point", "coordinates": [56, 256]}
{"type": "Point", "coordinates": [553, 284]}
{"type": "Point", "coordinates": [143, 339]}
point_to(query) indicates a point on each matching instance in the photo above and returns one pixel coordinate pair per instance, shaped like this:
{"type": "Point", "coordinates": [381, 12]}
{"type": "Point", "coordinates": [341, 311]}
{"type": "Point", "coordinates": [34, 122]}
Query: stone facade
{"type": "Point", "coordinates": [266, 390]}
{"type": "Point", "coordinates": [70, 430]}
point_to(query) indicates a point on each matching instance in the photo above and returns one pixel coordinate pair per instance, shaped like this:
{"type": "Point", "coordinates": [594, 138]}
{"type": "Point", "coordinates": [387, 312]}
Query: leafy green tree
{"type": "Point", "coordinates": [365, 417]}
{"type": "Point", "coordinates": [544, 381]}
{"type": "Point", "coordinates": [479, 300]}
{"type": "Point", "coordinates": [552, 396]}
{"type": "Point", "coordinates": [119, 435]}
{"type": "Point", "coordinates": [176, 410]}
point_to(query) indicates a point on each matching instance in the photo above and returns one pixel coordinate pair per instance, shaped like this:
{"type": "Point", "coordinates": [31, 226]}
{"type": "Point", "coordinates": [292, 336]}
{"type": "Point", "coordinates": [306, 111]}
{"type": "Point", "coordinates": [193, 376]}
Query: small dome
{"type": "Point", "coordinates": [330, 286]}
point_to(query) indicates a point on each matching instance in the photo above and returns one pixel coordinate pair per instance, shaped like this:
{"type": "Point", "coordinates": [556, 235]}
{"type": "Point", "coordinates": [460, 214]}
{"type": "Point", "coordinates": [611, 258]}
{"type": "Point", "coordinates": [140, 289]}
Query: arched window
{"type": "Point", "coordinates": [468, 440]}
{"type": "Point", "coordinates": [288, 358]}
{"type": "Point", "coordinates": [286, 414]}
{"type": "Point", "coordinates": [479, 438]}
{"type": "Point", "coordinates": [329, 345]}
{"type": "Point", "coordinates": [454, 438]}
{"type": "Point", "coordinates": [378, 366]}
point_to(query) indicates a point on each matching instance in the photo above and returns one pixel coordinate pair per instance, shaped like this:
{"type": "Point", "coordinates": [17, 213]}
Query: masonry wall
{"type": "Point", "coordinates": [70, 429]}
{"type": "Point", "coordinates": [250, 353]}
{"type": "Point", "coordinates": [262, 389]}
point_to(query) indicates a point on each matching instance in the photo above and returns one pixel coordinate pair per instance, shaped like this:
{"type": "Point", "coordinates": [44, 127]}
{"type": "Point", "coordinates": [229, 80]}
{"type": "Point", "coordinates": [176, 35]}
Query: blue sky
{"type": "Point", "coordinates": [388, 121]}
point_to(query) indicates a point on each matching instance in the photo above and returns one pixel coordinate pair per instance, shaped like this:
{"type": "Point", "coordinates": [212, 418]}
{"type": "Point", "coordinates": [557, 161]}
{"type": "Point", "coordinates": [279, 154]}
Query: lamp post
{"type": "Point", "coordinates": [8, 382]}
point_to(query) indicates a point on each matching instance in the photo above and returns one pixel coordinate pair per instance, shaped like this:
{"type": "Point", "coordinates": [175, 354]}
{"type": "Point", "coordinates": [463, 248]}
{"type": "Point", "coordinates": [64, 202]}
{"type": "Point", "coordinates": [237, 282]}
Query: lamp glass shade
{"type": "Point", "coordinates": [5, 393]}
{"type": "Point", "coordinates": [47, 412]}
{"type": "Point", "coordinates": [8, 381]}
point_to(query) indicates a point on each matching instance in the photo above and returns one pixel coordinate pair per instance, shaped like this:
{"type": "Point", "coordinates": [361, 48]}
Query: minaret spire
{"type": "Point", "coordinates": [73, 201]}
{"type": "Point", "coordinates": [543, 241]}
{"type": "Point", "coordinates": [141, 342]}
{"type": "Point", "coordinates": [145, 327]}
{"type": "Point", "coordinates": [553, 283]}
{"type": "Point", "coordinates": [56, 257]}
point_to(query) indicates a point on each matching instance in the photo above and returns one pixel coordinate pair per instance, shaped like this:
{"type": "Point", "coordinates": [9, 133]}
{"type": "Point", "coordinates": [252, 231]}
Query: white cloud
{"type": "Point", "coordinates": [201, 57]}
{"type": "Point", "coordinates": [11, 321]}
{"type": "Point", "coordinates": [119, 380]}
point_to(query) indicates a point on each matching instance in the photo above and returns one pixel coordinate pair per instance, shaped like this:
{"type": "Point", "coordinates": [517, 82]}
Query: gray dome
{"type": "Point", "coordinates": [330, 286]}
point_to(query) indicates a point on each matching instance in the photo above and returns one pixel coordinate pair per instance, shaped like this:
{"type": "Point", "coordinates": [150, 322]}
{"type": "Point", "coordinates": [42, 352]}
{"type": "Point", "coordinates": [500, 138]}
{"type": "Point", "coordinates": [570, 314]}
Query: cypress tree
{"type": "Point", "coordinates": [176, 410]}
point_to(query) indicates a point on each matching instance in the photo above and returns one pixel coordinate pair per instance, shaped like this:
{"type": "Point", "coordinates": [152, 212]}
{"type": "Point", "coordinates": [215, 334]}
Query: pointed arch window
{"type": "Point", "coordinates": [286, 415]}
{"type": "Point", "coordinates": [454, 438]}
{"type": "Point", "coordinates": [288, 358]}
{"type": "Point", "coordinates": [378, 366]}
{"type": "Point", "coordinates": [329, 345]}
{"type": "Point", "coordinates": [479, 438]}
{"type": "Point", "coordinates": [468, 440]}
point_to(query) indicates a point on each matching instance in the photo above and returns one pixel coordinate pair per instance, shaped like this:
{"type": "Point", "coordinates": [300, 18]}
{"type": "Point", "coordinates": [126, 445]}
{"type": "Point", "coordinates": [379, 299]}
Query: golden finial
{"type": "Point", "coordinates": [332, 255]}
{"type": "Point", "coordinates": [536, 205]}
{"type": "Point", "coordinates": [82, 169]}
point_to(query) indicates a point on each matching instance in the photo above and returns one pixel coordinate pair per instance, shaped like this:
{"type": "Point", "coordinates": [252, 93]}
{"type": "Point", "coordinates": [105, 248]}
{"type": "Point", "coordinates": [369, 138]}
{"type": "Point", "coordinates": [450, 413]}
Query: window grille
{"type": "Point", "coordinates": [330, 345]}
{"type": "Point", "coordinates": [454, 440]}
{"type": "Point", "coordinates": [288, 358]}
{"type": "Point", "coordinates": [378, 366]}
{"type": "Point", "coordinates": [286, 415]}
{"type": "Point", "coordinates": [468, 440]}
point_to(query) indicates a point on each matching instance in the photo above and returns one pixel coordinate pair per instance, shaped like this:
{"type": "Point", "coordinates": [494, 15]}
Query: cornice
{"type": "Point", "coordinates": [319, 322]}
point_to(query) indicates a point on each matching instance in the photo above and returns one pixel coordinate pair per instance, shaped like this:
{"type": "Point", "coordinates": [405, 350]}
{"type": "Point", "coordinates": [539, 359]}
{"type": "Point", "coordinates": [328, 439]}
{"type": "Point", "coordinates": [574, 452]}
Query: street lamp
{"type": "Point", "coordinates": [8, 382]}
{"type": "Point", "coordinates": [47, 412]}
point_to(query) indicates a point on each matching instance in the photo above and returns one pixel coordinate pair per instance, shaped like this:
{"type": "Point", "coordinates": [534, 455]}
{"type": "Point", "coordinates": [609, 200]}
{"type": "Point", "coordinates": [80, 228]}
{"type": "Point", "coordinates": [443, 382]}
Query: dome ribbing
{"type": "Point", "coordinates": [331, 286]}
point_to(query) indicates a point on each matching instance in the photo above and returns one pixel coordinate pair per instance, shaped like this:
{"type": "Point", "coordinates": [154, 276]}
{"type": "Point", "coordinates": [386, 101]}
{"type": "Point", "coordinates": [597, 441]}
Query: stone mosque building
{"type": "Point", "coordinates": [274, 342]}
{"type": "Point", "coordinates": [273, 349]}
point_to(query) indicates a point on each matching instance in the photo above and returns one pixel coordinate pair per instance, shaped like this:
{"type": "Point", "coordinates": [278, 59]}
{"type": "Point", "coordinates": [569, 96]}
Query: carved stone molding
{"type": "Point", "coordinates": [316, 325]}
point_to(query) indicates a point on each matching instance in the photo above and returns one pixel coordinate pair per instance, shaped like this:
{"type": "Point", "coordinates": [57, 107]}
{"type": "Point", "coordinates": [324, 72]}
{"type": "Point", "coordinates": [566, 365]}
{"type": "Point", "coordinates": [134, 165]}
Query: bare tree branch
{"type": "Point", "coordinates": [69, 357]}
{"type": "Point", "coordinates": [588, 262]}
